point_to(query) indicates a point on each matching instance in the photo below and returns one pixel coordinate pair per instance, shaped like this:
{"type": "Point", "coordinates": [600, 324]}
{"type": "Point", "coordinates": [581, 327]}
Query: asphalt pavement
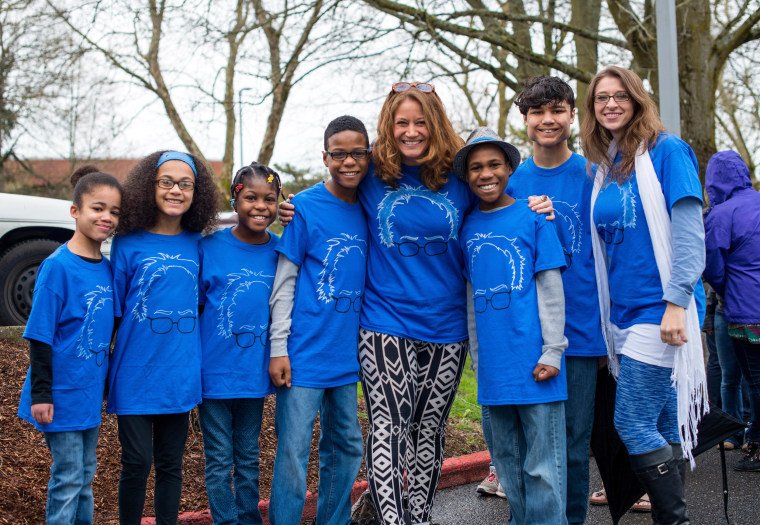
{"type": "Point", "coordinates": [704, 496]}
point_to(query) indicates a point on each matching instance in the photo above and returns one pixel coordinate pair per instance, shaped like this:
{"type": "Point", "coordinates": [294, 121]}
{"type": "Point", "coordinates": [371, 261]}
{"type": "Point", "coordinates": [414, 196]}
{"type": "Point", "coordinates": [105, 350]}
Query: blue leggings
{"type": "Point", "coordinates": [646, 416]}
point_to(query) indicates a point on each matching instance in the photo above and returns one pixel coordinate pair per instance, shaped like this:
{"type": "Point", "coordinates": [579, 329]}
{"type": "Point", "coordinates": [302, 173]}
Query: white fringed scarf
{"type": "Point", "coordinates": [688, 373]}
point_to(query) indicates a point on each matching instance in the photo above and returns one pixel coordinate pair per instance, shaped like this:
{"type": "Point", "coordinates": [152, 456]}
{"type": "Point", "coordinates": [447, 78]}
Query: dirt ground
{"type": "Point", "coordinates": [25, 460]}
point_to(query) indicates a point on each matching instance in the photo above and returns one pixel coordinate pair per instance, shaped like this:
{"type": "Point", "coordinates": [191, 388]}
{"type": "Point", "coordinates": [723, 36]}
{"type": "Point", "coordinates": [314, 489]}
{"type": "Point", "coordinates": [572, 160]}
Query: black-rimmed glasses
{"type": "Point", "coordinates": [431, 248]}
{"type": "Point", "coordinates": [167, 184]}
{"type": "Point", "coordinates": [357, 154]}
{"type": "Point", "coordinates": [499, 301]}
{"type": "Point", "coordinates": [164, 325]}
{"type": "Point", "coordinates": [248, 339]}
{"type": "Point", "coordinates": [346, 304]}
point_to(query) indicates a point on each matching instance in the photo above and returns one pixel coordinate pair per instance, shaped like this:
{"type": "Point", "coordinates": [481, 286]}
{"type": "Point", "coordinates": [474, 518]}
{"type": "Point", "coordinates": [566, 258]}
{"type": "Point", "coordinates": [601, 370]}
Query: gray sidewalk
{"type": "Point", "coordinates": [461, 505]}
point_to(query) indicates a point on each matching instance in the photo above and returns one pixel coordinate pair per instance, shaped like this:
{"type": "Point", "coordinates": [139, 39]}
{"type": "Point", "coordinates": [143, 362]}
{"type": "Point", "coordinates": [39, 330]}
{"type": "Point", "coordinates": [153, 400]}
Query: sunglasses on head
{"type": "Point", "coordinates": [400, 87]}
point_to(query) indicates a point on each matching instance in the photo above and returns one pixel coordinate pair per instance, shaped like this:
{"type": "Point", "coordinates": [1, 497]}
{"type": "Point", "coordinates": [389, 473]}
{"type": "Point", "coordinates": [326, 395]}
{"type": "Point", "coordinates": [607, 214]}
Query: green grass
{"type": "Point", "coordinates": [466, 408]}
{"type": "Point", "coordinates": [465, 412]}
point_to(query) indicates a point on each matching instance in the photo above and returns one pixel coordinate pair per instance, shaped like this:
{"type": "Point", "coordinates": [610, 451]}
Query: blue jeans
{"type": "Point", "coordinates": [579, 419]}
{"type": "Point", "coordinates": [529, 449]}
{"type": "Point", "coordinates": [731, 373]}
{"type": "Point", "coordinates": [646, 407]}
{"type": "Point", "coordinates": [69, 496]}
{"type": "Point", "coordinates": [748, 355]}
{"type": "Point", "coordinates": [485, 420]}
{"type": "Point", "coordinates": [340, 452]}
{"type": "Point", "coordinates": [231, 429]}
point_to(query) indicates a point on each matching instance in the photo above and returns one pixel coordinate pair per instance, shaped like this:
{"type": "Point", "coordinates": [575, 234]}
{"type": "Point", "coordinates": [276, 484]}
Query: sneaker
{"type": "Point", "coordinates": [490, 485]}
{"type": "Point", "coordinates": [500, 492]}
{"type": "Point", "coordinates": [751, 460]}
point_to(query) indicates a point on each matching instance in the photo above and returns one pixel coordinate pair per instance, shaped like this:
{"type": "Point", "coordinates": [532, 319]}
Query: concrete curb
{"type": "Point", "coordinates": [455, 471]}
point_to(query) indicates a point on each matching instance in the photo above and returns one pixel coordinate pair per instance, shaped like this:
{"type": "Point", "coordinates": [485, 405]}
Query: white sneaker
{"type": "Point", "coordinates": [490, 485]}
{"type": "Point", "coordinates": [500, 492]}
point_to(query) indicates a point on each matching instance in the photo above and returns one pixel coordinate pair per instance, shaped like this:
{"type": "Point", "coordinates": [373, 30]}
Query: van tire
{"type": "Point", "coordinates": [18, 272]}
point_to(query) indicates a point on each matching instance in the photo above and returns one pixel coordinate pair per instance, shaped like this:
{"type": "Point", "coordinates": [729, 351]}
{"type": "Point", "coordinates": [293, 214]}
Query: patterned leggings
{"type": "Point", "coordinates": [646, 406]}
{"type": "Point", "coordinates": [409, 387]}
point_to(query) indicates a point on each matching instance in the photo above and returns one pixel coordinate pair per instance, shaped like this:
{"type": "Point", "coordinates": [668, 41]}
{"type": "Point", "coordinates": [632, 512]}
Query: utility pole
{"type": "Point", "coordinates": [667, 66]}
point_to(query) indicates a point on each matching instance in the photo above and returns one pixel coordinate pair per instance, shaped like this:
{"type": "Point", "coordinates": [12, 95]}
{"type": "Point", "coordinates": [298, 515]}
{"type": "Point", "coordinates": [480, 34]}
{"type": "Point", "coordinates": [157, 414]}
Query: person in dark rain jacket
{"type": "Point", "coordinates": [732, 239]}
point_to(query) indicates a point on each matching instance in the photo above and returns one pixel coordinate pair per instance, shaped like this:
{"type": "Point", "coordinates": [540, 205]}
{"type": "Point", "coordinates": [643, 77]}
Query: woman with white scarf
{"type": "Point", "coordinates": [649, 253]}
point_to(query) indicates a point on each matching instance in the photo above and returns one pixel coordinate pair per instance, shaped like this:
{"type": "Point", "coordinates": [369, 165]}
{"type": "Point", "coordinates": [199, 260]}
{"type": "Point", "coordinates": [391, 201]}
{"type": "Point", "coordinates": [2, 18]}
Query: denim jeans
{"type": "Point", "coordinates": [579, 419]}
{"type": "Point", "coordinates": [748, 355]}
{"type": "Point", "coordinates": [485, 423]}
{"type": "Point", "coordinates": [340, 452]}
{"type": "Point", "coordinates": [731, 373]}
{"type": "Point", "coordinates": [485, 420]}
{"type": "Point", "coordinates": [231, 429]}
{"type": "Point", "coordinates": [69, 496]}
{"type": "Point", "coordinates": [529, 448]}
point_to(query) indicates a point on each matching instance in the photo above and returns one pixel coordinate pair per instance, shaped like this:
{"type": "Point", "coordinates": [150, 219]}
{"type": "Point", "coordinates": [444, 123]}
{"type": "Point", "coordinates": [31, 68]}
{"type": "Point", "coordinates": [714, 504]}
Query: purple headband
{"type": "Point", "coordinates": [177, 155]}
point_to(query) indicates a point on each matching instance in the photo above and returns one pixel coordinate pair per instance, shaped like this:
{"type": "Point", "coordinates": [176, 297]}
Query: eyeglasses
{"type": "Point", "coordinates": [248, 339]}
{"type": "Point", "coordinates": [619, 97]}
{"type": "Point", "coordinates": [400, 87]}
{"type": "Point", "coordinates": [431, 248]}
{"type": "Point", "coordinates": [164, 325]}
{"type": "Point", "coordinates": [167, 184]}
{"type": "Point", "coordinates": [346, 304]}
{"type": "Point", "coordinates": [357, 154]}
{"type": "Point", "coordinates": [499, 301]}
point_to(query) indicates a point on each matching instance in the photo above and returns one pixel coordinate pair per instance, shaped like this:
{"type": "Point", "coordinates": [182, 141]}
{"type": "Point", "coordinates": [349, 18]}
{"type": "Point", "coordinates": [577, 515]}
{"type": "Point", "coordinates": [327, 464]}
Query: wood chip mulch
{"type": "Point", "coordinates": [25, 460]}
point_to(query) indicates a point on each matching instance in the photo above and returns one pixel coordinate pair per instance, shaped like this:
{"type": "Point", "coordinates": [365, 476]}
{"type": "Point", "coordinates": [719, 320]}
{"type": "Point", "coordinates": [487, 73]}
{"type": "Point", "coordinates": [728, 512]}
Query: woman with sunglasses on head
{"type": "Point", "coordinates": [649, 254]}
{"type": "Point", "coordinates": [413, 335]}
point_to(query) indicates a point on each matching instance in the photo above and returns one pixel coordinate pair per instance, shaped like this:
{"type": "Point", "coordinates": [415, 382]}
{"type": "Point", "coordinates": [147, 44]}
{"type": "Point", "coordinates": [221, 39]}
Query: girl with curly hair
{"type": "Point", "coordinates": [649, 252]}
{"type": "Point", "coordinates": [155, 373]}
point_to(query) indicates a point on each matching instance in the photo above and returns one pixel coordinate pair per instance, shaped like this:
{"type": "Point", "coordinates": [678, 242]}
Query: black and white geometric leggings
{"type": "Point", "coordinates": [409, 387]}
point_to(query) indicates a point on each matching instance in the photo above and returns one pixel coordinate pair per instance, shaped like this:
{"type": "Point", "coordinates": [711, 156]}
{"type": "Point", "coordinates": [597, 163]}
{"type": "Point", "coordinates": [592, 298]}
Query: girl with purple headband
{"type": "Point", "coordinates": [155, 374]}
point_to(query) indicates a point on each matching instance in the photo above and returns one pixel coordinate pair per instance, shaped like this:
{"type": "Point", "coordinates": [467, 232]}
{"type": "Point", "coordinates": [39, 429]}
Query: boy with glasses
{"type": "Point", "coordinates": [315, 305]}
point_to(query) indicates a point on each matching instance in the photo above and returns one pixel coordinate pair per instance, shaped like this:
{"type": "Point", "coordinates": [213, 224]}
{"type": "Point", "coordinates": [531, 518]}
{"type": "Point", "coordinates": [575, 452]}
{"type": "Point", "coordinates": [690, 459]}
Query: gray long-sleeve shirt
{"type": "Point", "coordinates": [551, 313]}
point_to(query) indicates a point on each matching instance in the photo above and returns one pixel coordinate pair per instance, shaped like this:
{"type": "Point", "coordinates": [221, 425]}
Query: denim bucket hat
{"type": "Point", "coordinates": [480, 136]}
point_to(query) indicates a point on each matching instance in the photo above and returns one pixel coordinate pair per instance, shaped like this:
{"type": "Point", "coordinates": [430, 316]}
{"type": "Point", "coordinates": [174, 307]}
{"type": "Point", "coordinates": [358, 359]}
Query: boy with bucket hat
{"type": "Point", "coordinates": [516, 315]}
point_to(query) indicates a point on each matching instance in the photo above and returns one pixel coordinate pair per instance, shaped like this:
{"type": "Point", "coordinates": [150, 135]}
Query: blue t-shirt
{"type": "Point", "coordinates": [635, 286]}
{"type": "Point", "coordinates": [569, 187]}
{"type": "Point", "coordinates": [235, 285]}
{"type": "Point", "coordinates": [504, 249]}
{"type": "Point", "coordinates": [73, 312]}
{"type": "Point", "coordinates": [415, 288]}
{"type": "Point", "coordinates": [156, 362]}
{"type": "Point", "coordinates": [328, 241]}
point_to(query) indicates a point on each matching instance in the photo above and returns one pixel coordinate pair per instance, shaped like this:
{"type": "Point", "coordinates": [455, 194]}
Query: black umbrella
{"type": "Point", "coordinates": [621, 485]}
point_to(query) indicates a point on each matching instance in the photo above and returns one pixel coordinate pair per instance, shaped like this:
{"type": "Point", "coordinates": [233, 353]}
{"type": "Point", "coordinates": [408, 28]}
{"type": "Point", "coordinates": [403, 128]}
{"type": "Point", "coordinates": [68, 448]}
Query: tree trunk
{"type": "Point", "coordinates": [585, 14]}
{"type": "Point", "coordinates": [698, 69]}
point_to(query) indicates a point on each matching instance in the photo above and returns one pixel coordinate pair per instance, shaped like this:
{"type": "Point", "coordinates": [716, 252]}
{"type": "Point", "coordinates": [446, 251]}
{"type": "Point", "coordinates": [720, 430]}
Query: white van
{"type": "Point", "coordinates": [31, 228]}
